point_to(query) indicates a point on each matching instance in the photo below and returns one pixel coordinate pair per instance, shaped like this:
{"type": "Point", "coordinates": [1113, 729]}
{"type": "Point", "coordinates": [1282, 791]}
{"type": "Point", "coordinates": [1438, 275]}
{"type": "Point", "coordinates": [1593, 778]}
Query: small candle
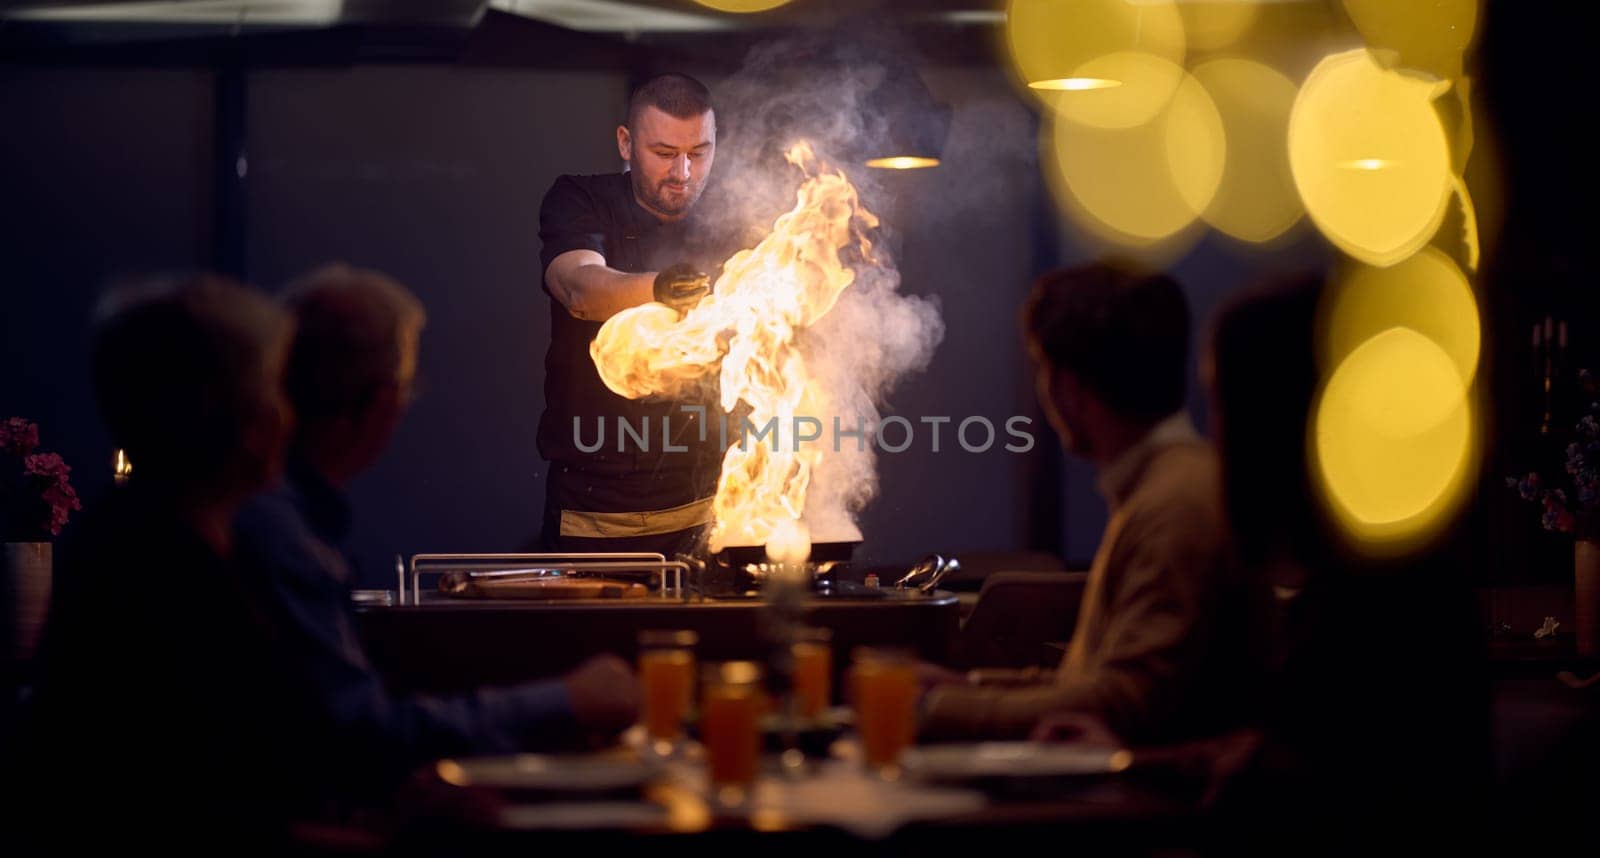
{"type": "Point", "coordinates": [121, 467]}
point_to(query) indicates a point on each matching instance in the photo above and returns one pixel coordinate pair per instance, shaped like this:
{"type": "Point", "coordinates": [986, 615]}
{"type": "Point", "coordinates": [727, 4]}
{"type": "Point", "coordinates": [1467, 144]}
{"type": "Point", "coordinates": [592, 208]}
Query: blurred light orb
{"type": "Point", "coordinates": [1427, 294]}
{"type": "Point", "coordinates": [1430, 36]}
{"type": "Point", "coordinates": [1074, 84]}
{"type": "Point", "coordinates": [1256, 201]}
{"type": "Point", "coordinates": [741, 7]}
{"type": "Point", "coordinates": [1062, 40]}
{"type": "Point", "coordinates": [1136, 186]}
{"type": "Point", "coordinates": [903, 162]}
{"type": "Point", "coordinates": [1369, 157]}
{"type": "Point", "coordinates": [1144, 84]}
{"type": "Point", "coordinates": [1392, 440]}
{"type": "Point", "coordinates": [1368, 164]}
{"type": "Point", "coordinates": [1213, 26]}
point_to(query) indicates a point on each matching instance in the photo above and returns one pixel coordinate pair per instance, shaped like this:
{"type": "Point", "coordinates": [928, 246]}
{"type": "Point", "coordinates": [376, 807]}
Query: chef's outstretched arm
{"type": "Point", "coordinates": [593, 291]}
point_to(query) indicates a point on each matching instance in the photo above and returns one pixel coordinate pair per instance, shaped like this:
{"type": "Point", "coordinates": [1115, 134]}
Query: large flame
{"type": "Point", "coordinates": [749, 327]}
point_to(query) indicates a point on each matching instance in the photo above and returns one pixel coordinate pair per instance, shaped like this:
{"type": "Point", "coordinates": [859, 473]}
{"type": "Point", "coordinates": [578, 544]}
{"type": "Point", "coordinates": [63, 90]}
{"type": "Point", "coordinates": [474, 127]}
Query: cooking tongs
{"type": "Point", "coordinates": [665, 578]}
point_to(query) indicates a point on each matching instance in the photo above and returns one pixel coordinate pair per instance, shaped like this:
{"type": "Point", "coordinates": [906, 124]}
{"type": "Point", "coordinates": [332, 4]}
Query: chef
{"type": "Point", "coordinates": [611, 242]}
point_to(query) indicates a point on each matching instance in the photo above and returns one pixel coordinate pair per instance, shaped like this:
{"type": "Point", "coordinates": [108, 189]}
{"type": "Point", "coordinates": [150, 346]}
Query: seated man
{"type": "Point", "coordinates": [1157, 654]}
{"type": "Point", "coordinates": [350, 377]}
{"type": "Point", "coordinates": [161, 701]}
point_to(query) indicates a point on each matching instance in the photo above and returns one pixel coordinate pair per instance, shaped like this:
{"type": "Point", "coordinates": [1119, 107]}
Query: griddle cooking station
{"type": "Point", "coordinates": [457, 639]}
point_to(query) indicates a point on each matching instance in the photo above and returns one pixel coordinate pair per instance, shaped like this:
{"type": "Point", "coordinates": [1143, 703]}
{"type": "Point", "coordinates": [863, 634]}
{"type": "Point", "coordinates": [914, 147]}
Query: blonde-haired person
{"type": "Point", "coordinates": [350, 376]}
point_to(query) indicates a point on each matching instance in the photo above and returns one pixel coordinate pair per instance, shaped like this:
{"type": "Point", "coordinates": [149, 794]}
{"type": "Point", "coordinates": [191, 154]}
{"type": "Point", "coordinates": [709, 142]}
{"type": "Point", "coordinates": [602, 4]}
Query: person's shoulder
{"type": "Point", "coordinates": [275, 538]}
{"type": "Point", "coordinates": [596, 186]}
{"type": "Point", "coordinates": [96, 537]}
{"type": "Point", "coordinates": [125, 519]}
{"type": "Point", "coordinates": [596, 181]}
{"type": "Point", "coordinates": [583, 199]}
{"type": "Point", "coordinates": [127, 535]}
{"type": "Point", "coordinates": [1181, 486]}
{"type": "Point", "coordinates": [270, 516]}
{"type": "Point", "coordinates": [1190, 466]}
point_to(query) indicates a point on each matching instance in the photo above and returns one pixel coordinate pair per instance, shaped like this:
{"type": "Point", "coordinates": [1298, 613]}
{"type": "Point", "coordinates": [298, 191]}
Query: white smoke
{"type": "Point", "coordinates": [818, 90]}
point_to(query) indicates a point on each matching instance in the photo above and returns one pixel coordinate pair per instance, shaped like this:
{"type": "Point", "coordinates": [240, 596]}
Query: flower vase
{"type": "Point", "coordinates": [25, 597]}
{"type": "Point", "coordinates": [1586, 593]}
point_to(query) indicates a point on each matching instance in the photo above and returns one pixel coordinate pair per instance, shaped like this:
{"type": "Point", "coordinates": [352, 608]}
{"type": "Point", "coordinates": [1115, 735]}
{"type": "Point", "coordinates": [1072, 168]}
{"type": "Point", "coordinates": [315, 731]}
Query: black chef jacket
{"type": "Point", "coordinates": [609, 499]}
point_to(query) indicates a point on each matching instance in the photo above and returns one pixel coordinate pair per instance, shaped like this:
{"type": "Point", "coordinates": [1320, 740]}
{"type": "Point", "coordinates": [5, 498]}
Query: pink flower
{"type": "Point", "coordinates": [36, 495]}
{"type": "Point", "coordinates": [1556, 515]}
{"type": "Point", "coordinates": [62, 500]}
{"type": "Point", "coordinates": [18, 436]}
{"type": "Point", "coordinates": [45, 465]}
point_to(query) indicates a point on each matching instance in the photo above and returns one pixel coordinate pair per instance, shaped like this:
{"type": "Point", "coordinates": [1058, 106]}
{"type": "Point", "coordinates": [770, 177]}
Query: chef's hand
{"type": "Point", "coordinates": [681, 287]}
{"type": "Point", "coordinates": [604, 694]}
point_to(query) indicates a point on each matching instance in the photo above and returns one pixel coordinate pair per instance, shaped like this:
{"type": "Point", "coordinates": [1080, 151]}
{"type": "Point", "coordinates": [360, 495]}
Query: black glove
{"type": "Point", "coordinates": [681, 287]}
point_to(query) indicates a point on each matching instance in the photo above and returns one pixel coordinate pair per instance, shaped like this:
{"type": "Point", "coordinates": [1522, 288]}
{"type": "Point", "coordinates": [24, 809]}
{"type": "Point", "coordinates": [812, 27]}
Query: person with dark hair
{"type": "Point", "coordinates": [160, 681]}
{"type": "Point", "coordinates": [611, 242]}
{"type": "Point", "coordinates": [1159, 653]}
{"type": "Point", "coordinates": [351, 371]}
{"type": "Point", "coordinates": [1368, 661]}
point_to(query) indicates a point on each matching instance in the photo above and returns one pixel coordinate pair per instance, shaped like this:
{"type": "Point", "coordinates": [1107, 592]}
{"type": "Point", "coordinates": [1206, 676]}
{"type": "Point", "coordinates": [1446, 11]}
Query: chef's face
{"type": "Point", "coordinates": [669, 159]}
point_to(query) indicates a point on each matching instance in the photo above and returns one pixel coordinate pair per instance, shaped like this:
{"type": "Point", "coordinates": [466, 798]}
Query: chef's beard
{"type": "Point", "coordinates": [657, 199]}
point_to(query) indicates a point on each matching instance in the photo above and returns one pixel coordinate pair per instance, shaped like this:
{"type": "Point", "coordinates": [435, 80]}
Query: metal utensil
{"type": "Point", "coordinates": [928, 572]}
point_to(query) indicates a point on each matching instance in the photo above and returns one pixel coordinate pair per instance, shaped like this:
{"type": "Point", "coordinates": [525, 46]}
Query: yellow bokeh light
{"type": "Point", "coordinates": [1293, 37]}
{"type": "Point", "coordinates": [1057, 40]}
{"type": "Point", "coordinates": [1368, 164]}
{"type": "Point", "coordinates": [1431, 37]}
{"type": "Point", "coordinates": [1393, 440]}
{"type": "Point", "coordinates": [1369, 157]}
{"type": "Point", "coordinates": [1074, 84]}
{"type": "Point", "coordinates": [1137, 186]}
{"type": "Point", "coordinates": [1427, 294]}
{"type": "Point", "coordinates": [1144, 84]}
{"type": "Point", "coordinates": [903, 162]}
{"type": "Point", "coordinates": [1212, 26]}
{"type": "Point", "coordinates": [1256, 201]}
{"type": "Point", "coordinates": [742, 6]}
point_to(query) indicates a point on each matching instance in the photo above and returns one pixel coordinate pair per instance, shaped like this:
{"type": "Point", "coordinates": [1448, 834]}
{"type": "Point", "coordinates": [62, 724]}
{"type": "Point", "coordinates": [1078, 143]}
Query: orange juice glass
{"type": "Point", "coordinates": [886, 690]}
{"type": "Point", "coordinates": [666, 681]}
{"type": "Point", "coordinates": [813, 672]}
{"type": "Point", "coordinates": [731, 703]}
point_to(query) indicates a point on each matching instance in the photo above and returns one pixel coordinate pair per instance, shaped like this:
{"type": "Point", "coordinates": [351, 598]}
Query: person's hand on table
{"type": "Point", "coordinates": [930, 675]}
{"type": "Point", "coordinates": [1009, 676]}
{"type": "Point", "coordinates": [604, 694]}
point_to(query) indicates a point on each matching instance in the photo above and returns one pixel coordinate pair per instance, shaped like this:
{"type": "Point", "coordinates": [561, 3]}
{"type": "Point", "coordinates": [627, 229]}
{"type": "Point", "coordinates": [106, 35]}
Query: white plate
{"type": "Point", "coordinates": [1012, 760]}
{"type": "Point", "coordinates": [567, 773]}
{"type": "Point", "coordinates": [584, 815]}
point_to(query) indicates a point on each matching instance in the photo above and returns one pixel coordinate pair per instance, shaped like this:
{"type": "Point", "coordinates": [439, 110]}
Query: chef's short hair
{"type": "Point", "coordinates": [182, 365]}
{"type": "Point", "coordinates": [677, 95]}
{"type": "Point", "coordinates": [356, 330]}
{"type": "Point", "coordinates": [1122, 331]}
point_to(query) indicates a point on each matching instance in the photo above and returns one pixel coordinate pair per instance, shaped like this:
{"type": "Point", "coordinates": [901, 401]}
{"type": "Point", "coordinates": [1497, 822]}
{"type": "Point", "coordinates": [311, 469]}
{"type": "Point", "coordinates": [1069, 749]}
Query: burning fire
{"type": "Point", "coordinates": [748, 332]}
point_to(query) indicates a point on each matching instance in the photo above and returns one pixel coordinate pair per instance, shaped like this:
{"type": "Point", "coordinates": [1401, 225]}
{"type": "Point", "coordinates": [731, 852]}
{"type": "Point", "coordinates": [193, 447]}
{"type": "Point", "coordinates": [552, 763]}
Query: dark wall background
{"type": "Point", "coordinates": [432, 169]}
{"type": "Point", "coordinates": [434, 174]}
{"type": "Point", "coordinates": [103, 173]}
